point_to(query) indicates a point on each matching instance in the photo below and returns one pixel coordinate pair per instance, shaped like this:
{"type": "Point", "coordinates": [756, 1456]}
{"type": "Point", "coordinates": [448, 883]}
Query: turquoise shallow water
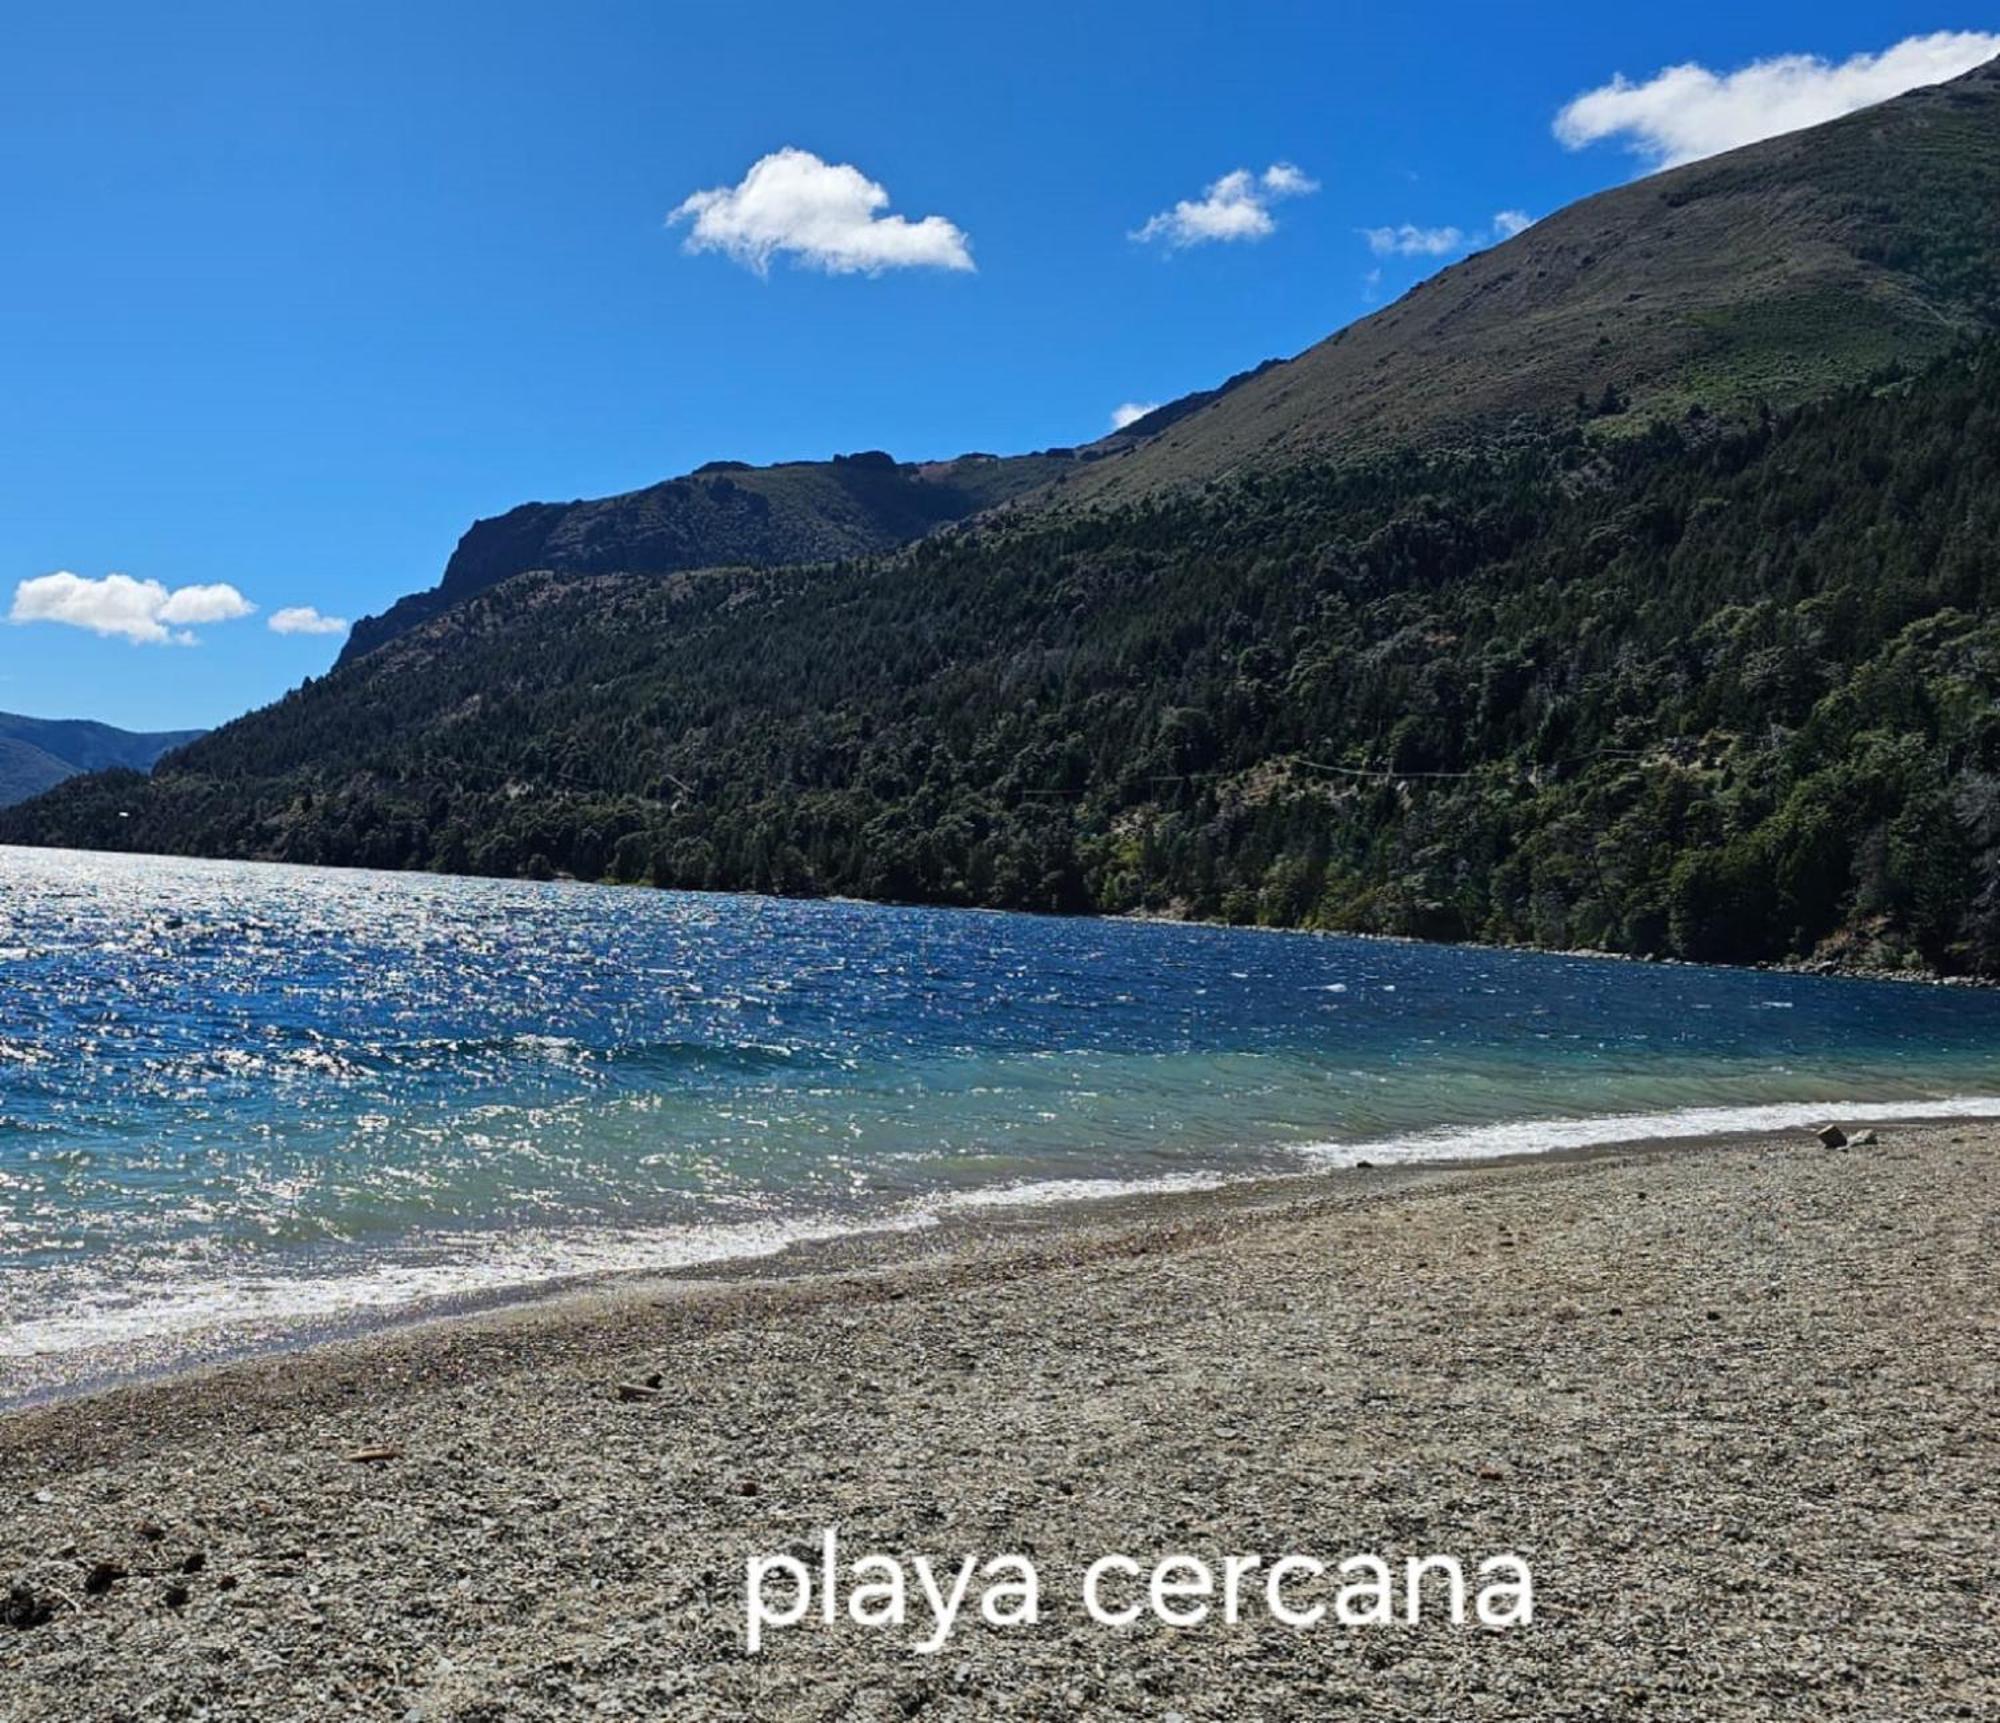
{"type": "Point", "coordinates": [234, 1093]}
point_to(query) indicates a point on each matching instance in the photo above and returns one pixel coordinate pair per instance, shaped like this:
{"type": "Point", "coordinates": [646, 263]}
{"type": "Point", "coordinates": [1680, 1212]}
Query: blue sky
{"type": "Point", "coordinates": [296, 292]}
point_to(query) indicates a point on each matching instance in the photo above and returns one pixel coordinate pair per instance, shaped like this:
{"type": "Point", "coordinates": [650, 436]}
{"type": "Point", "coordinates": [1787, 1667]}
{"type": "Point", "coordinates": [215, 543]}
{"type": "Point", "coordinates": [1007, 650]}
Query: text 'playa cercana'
{"type": "Point", "coordinates": [929, 1600]}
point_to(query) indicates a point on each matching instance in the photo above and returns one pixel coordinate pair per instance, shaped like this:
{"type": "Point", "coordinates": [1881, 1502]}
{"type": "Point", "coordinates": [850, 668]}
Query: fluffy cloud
{"type": "Point", "coordinates": [825, 215]}
{"type": "Point", "coordinates": [1237, 206]}
{"type": "Point", "coordinates": [303, 619]}
{"type": "Point", "coordinates": [1509, 222]}
{"type": "Point", "coordinates": [142, 611]}
{"type": "Point", "coordinates": [1131, 412]}
{"type": "Point", "coordinates": [1687, 112]}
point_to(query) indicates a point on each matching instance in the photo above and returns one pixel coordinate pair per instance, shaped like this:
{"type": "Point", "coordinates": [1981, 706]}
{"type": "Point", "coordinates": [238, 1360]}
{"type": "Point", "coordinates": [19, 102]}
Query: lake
{"type": "Point", "coordinates": [237, 1094]}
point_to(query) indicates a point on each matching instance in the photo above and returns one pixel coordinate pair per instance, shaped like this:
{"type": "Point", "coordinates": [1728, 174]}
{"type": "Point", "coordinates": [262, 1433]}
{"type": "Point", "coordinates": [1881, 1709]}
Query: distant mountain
{"type": "Point", "coordinates": [726, 513]}
{"type": "Point", "coordinates": [39, 753]}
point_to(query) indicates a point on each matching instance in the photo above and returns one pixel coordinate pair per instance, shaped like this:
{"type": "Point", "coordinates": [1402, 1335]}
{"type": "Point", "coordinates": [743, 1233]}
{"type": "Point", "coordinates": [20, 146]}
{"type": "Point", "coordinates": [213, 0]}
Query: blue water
{"type": "Point", "coordinates": [233, 1093]}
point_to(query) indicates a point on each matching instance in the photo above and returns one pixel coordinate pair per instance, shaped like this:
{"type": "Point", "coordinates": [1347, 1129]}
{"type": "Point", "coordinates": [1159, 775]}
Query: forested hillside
{"type": "Point", "coordinates": [1721, 689]}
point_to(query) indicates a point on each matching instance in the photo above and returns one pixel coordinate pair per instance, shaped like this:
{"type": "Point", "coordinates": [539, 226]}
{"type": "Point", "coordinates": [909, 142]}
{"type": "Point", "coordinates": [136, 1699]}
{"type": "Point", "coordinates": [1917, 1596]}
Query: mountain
{"type": "Point", "coordinates": [726, 512]}
{"type": "Point", "coordinates": [1666, 625]}
{"type": "Point", "coordinates": [37, 753]}
{"type": "Point", "coordinates": [1765, 276]}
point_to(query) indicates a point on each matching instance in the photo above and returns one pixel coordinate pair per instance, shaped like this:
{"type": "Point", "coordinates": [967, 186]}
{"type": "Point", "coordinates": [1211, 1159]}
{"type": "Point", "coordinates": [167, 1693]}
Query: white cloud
{"type": "Point", "coordinates": [1131, 412]}
{"type": "Point", "coordinates": [303, 619]}
{"type": "Point", "coordinates": [825, 215]}
{"type": "Point", "coordinates": [1237, 206]}
{"type": "Point", "coordinates": [217, 603]}
{"type": "Point", "coordinates": [1409, 240]}
{"type": "Point", "coordinates": [142, 611]}
{"type": "Point", "coordinates": [1686, 112]}
{"type": "Point", "coordinates": [1281, 179]}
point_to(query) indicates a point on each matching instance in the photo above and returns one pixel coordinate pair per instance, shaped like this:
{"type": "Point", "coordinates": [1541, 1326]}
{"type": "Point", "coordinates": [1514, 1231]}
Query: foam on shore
{"type": "Point", "coordinates": [523, 1264]}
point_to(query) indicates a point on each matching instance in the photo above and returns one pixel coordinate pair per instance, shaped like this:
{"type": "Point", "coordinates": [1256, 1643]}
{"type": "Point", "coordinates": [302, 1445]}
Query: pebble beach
{"type": "Point", "coordinates": [1732, 1401]}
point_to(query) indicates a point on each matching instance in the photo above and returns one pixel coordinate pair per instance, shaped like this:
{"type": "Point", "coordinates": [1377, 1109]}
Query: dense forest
{"type": "Point", "coordinates": [1715, 689]}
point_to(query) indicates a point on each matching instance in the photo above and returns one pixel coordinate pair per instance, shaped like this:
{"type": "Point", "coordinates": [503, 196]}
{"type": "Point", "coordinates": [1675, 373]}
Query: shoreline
{"type": "Point", "coordinates": [1730, 1392]}
{"type": "Point", "coordinates": [862, 1265]}
{"type": "Point", "coordinates": [981, 1237]}
{"type": "Point", "coordinates": [932, 1231]}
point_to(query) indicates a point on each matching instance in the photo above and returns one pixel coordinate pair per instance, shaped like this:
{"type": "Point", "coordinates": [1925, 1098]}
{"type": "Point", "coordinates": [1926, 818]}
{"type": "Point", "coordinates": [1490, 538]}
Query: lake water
{"type": "Point", "coordinates": [235, 1094]}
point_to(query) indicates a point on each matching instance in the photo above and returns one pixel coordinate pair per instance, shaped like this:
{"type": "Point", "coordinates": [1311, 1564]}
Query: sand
{"type": "Point", "coordinates": [1734, 1404]}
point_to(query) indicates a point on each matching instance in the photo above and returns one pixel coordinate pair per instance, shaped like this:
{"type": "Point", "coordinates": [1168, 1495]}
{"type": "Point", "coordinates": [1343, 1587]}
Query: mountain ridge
{"type": "Point", "coordinates": [1763, 275]}
{"type": "Point", "coordinates": [723, 512]}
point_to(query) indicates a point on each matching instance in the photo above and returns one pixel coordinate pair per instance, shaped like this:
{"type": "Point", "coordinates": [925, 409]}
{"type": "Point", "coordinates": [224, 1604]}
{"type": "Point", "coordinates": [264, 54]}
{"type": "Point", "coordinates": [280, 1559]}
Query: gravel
{"type": "Point", "coordinates": [1734, 1405]}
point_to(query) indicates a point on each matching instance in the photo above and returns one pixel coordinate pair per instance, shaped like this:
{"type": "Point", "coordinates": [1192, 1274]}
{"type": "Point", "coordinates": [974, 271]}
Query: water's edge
{"type": "Point", "coordinates": [945, 1222]}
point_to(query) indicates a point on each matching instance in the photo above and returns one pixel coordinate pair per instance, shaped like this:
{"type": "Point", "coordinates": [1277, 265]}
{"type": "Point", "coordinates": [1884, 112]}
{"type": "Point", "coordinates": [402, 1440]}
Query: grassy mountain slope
{"type": "Point", "coordinates": [1723, 691]}
{"type": "Point", "coordinates": [1772, 273]}
{"type": "Point", "coordinates": [37, 753]}
{"type": "Point", "coordinates": [807, 511]}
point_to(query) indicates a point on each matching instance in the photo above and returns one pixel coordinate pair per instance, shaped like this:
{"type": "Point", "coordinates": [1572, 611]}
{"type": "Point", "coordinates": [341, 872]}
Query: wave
{"type": "Point", "coordinates": [509, 1263]}
{"type": "Point", "coordinates": [655, 1056]}
{"type": "Point", "coordinates": [1042, 1193]}
{"type": "Point", "coordinates": [521, 1264]}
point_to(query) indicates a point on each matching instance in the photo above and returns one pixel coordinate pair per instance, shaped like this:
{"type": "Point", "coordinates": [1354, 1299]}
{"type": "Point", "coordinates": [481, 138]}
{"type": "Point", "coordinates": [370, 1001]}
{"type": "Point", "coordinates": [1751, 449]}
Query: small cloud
{"type": "Point", "coordinates": [824, 215]}
{"type": "Point", "coordinates": [1131, 412]}
{"type": "Point", "coordinates": [1237, 206]}
{"type": "Point", "coordinates": [1281, 179]}
{"type": "Point", "coordinates": [1687, 112]}
{"type": "Point", "coordinates": [1371, 285]}
{"type": "Point", "coordinates": [1409, 240]}
{"type": "Point", "coordinates": [117, 606]}
{"type": "Point", "coordinates": [303, 619]}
